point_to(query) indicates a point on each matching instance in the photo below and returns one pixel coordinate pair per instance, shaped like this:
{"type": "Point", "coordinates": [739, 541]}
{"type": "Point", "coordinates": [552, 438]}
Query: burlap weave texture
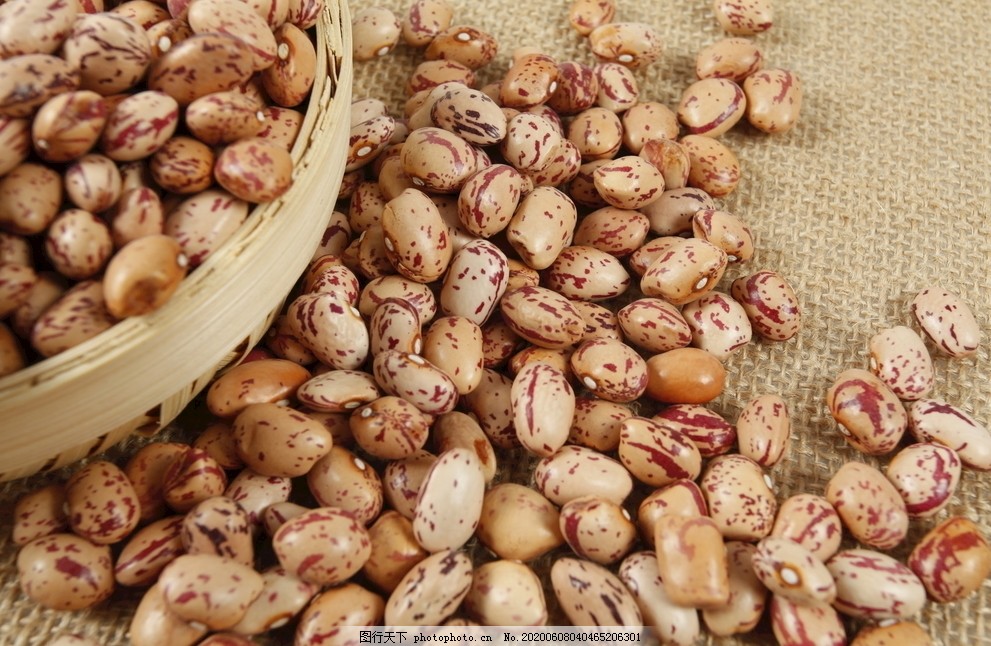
{"type": "Point", "coordinates": [883, 188]}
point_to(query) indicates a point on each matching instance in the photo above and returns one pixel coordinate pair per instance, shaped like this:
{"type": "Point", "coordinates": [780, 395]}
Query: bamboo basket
{"type": "Point", "coordinates": [140, 374]}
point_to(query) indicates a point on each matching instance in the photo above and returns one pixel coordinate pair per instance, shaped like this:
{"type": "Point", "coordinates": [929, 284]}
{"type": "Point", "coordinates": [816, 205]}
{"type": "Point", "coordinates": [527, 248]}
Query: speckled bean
{"type": "Point", "coordinates": [576, 471]}
{"type": "Point", "coordinates": [431, 591]}
{"type": "Point", "coordinates": [192, 477]}
{"type": "Point", "coordinates": [376, 32]}
{"type": "Point", "coordinates": [101, 504]}
{"type": "Point", "coordinates": [139, 125]}
{"type": "Point", "coordinates": [199, 65]}
{"type": "Point", "coordinates": [221, 527]}
{"type": "Point", "coordinates": [346, 482]}
{"type": "Point", "coordinates": [338, 391]}
{"type": "Point", "coordinates": [597, 529]}
{"type": "Point", "coordinates": [791, 571]}
{"type": "Point", "coordinates": [591, 595]}
{"type": "Point", "coordinates": [542, 317]}
{"type": "Point", "coordinates": [792, 623]}
{"type": "Point", "coordinates": [632, 44]}
{"type": "Point", "coordinates": [747, 595]}
{"type": "Point", "coordinates": [947, 321]}
{"type": "Point", "coordinates": [711, 106]}
{"type": "Point", "coordinates": [687, 271]}
{"type": "Point", "coordinates": [705, 428]}
{"type": "Point", "coordinates": [682, 497]}
{"type": "Point", "coordinates": [900, 632]}
{"type": "Point", "coordinates": [331, 328]}
{"type": "Point", "coordinates": [811, 521]}
{"type": "Point", "coordinates": [733, 58]}
{"type": "Point", "coordinates": [148, 551]}
{"type": "Point", "coordinates": [597, 132]}
{"type": "Point", "coordinates": [935, 420]}
{"type": "Point", "coordinates": [718, 324]}
{"type": "Point", "coordinates": [673, 213]}
{"type": "Point", "coordinates": [898, 356]}
{"type": "Point", "coordinates": [926, 475]}
{"type": "Point", "coordinates": [770, 304]}
{"type": "Point", "coordinates": [304, 547]}
{"type": "Point", "coordinates": [740, 497]}
{"type": "Point", "coordinates": [764, 430]}
{"type": "Point", "coordinates": [203, 222]}
{"type": "Point", "coordinates": [744, 17]}
{"type": "Point", "coordinates": [39, 513]}
{"type": "Point", "coordinates": [875, 586]}
{"type": "Point", "coordinates": [952, 560]}
{"type": "Point", "coordinates": [78, 315]}
{"type": "Point", "coordinates": [256, 493]}
{"type": "Point", "coordinates": [254, 382]}
{"type": "Point", "coordinates": [618, 232]}
{"type": "Point", "coordinates": [425, 19]}
{"type": "Point", "coordinates": [656, 453]}
{"type": "Point", "coordinates": [715, 168]}
{"type": "Point", "coordinates": [670, 158]}
{"type": "Point", "coordinates": [491, 404]}
{"type": "Point", "coordinates": [774, 99]}
{"type": "Point", "coordinates": [675, 625]}
{"type": "Point", "coordinates": [154, 624]}
{"type": "Point", "coordinates": [586, 15]}
{"type": "Point", "coordinates": [209, 590]}
{"type": "Point", "coordinates": [65, 572]}
{"type": "Point", "coordinates": [30, 198]}
{"type": "Point", "coordinates": [870, 507]}
{"type": "Point", "coordinates": [29, 80]}
{"type": "Point", "coordinates": [417, 240]}
{"type": "Point", "coordinates": [869, 414]}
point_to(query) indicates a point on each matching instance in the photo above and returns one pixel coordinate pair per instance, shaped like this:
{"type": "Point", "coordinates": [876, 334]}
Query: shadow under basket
{"type": "Point", "coordinates": [141, 373]}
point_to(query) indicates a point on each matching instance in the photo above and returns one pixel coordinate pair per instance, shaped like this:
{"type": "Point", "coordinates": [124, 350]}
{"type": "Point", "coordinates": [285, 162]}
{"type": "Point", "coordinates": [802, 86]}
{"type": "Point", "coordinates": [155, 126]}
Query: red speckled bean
{"type": "Point", "coordinates": [875, 586]}
{"type": "Point", "coordinates": [869, 505]}
{"type": "Point", "coordinates": [707, 429]}
{"type": "Point", "coordinates": [323, 546]}
{"type": "Point", "coordinates": [101, 503]}
{"type": "Point", "coordinates": [65, 572]}
{"type": "Point", "coordinates": [869, 414]}
{"type": "Point", "coordinates": [952, 560]}
{"type": "Point", "coordinates": [926, 475]}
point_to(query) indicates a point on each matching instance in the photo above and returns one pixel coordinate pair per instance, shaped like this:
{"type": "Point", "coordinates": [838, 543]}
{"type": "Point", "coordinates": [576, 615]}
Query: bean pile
{"type": "Point", "coordinates": [531, 270]}
{"type": "Point", "coordinates": [133, 141]}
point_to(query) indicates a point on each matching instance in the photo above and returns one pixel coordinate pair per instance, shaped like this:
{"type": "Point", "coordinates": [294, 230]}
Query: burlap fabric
{"type": "Point", "coordinates": [883, 188]}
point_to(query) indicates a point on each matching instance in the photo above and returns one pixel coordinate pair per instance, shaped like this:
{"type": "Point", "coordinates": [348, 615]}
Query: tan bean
{"type": "Point", "coordinates": [458, 430]}
{"type": "Point", "coordinates": [267, 380]}
{"type": "Point", "coordinates": [900, 632]}
{"type": "Point", "coordinates": [454, 345]}
{"type": "Point", "coordinates": [542, 225]}
{"type": "Point", "coordinates": [506, 593]}
{"type": "Point", "coordinates": [685, 376]}
{"type": "Point", "coordinates": [648, 121]}
{"type": "Point", "coordinates": [692, 561]}
{"type": "Point", "coordinates": [143, 275]}
{"type": "Point", "coordinates": [68, 125]}
{"type": "Point", "coordinates": [517, 522]}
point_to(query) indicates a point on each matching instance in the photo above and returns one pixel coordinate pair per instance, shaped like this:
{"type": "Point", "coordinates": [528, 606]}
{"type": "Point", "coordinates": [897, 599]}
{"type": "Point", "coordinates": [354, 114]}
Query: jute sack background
{"type": "Point", "coordinates": [883, 188]}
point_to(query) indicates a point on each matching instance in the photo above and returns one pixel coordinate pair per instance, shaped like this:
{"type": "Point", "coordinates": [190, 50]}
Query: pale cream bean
{"type": "Point", "coordinates": [654, 325]}
{"type": "Point", "coordinates": [733, 58]}
{"type": "Point", "coordinates": [711, 106]}
{"type": "Point", "coordinates": [221, 527]}
{"type": "Point", "coordinates": [869, 414]}
{"type": "Point", "coordinates": [275, 440]}
{"type": "Point", "coordinates": [585, 15]}
{"type": "Point", "coordinates": [256, 493]}
{"type": "Point", "coordinates": [77, 316]}
{"type": "Point", "coordinates": [191, 478]}
{"type": "Point", "coordinates": [647, 121]}
{"type": "Point", "coordinates": [770, 304]}
{"type": "Point", "coordinates": [596, 424]}
{"type": "Point", "coordinates": [935, 420]}
{"type": "Point", "coordinates": [926, 475]}
{"type": "Point", "coordinates": [254, 169]}
{"type": "Point", "coordinates": [791, 571]}
{"type": "Point", "coordinates": [618, 88]}
{"type": "Point", "coordinates": [38, 513]}
{"type": "Point", "coordinates": [282, 598]}
{"type": "Point", "coordinates": [431, 591]}
{"type": "Point", "coordinates": [344, 481]}
{"type": "Point", "coordinates": [517, 522]}
{"type": "Point", "coordinates": [611, 369]}
{"type": "Point", "coordinates": [747, 595]}
{"type": "Point", "coordinates": [740, 497]}
{"type": "Point", "coordinates": [679, 625]}
{"type": "Point", "coordinates": [417, 380]}
{"type": "Point", "coordinates": [449, 503]}
{"type": "Point", "coordinates": [686, 272]}
{"type": "Point", "coordinates": [101, 503]}
{"type": "Point", "coordinates": [682, 498]}
{"type": "Point", "coordinates": [149, 550]}
{"type": "Point", "coordinates": [812, 522]}
{"type": "Point", "coordinates": [718, 324]}
{"type": "Point", "coordinates": [209, 590]}
{"type": "Point", "coordinates": [577, 88]}
{"type": "Point", "coordinates": [425, 19]}
{"type": "Point", "coordinates": [78, 244]}
{"type": "Point", "coordinates": [670, 159]}
{"type": "Point", "coordinates": [875, 586]}
{"type": "Point", "coordinates": [390, 428]}
{"type": "Point", "coordinates": [454, 345]}
{"type": "Point", "coordinates": [900, 632]}
{"type": "Point", "coordinates": [395, 551]}
{"type": "Point", "coordinates": [632, 44]}
{"type": "Point", "coordinates": [597, 132]}
{"type": "Point", "coordinates": [774, 99]}
{"type": "Point", "coordinates": [65, 571]}
{"type": "Point", "coordinates": [898, 356]}
{"type": "Point", "coordinates": [491, 404]}
{"type": "Point", "coordinates": [685, 376]}
{"type": "Point", "coordinates": [764, 430]}
{"type": "Point", "coordinates": [203, 222]}
{"type": "Point", "coordinates": [143, 275]}
{"type": "Point", "coordinates": [401, 481]}
{"type": "Point", "coordinates": [576, 471]}
{"type": "Point", "coordinates": [870, 507]}
{"type": "Point", "coordinates": [254, 382]}
{"type": "Point", "coordinates": [692, 561]}
{"type": "Point", "coordinates": [542, 317]}
{"type": "Point", "coordinates": [340, 544]}
{"type": "Point", "coordinates": [952, 560]}
{"type": "Point", "coordinates": [715, 168]}
{"type": "Point", "coordinates": [673, 213]}
{"type": "Point", "coordinates": [543, 405]}
{"type": "Point", "coordinates": [346, 605]}
{"type": "Point", "coordinates": [657, 454]}
{"type": "Point", "coordinates": [591, 595]}
{"type": "Point", "coordinates": [376, 32]}
{"type": "Point", "coordinates": [467, 45]}
{"type": "Point", "coordinates": [792, 622]}
{"type": "Point", "coordinates": [706, 429]}
{"type": "Point", "coordinates": [597, 529]}
{"type": "Point", "coordinates": [395, 325]}
{"type": "Point", "coordinates": [947, 320]}
{"type": "Point", "coordinates": [744, 18]}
